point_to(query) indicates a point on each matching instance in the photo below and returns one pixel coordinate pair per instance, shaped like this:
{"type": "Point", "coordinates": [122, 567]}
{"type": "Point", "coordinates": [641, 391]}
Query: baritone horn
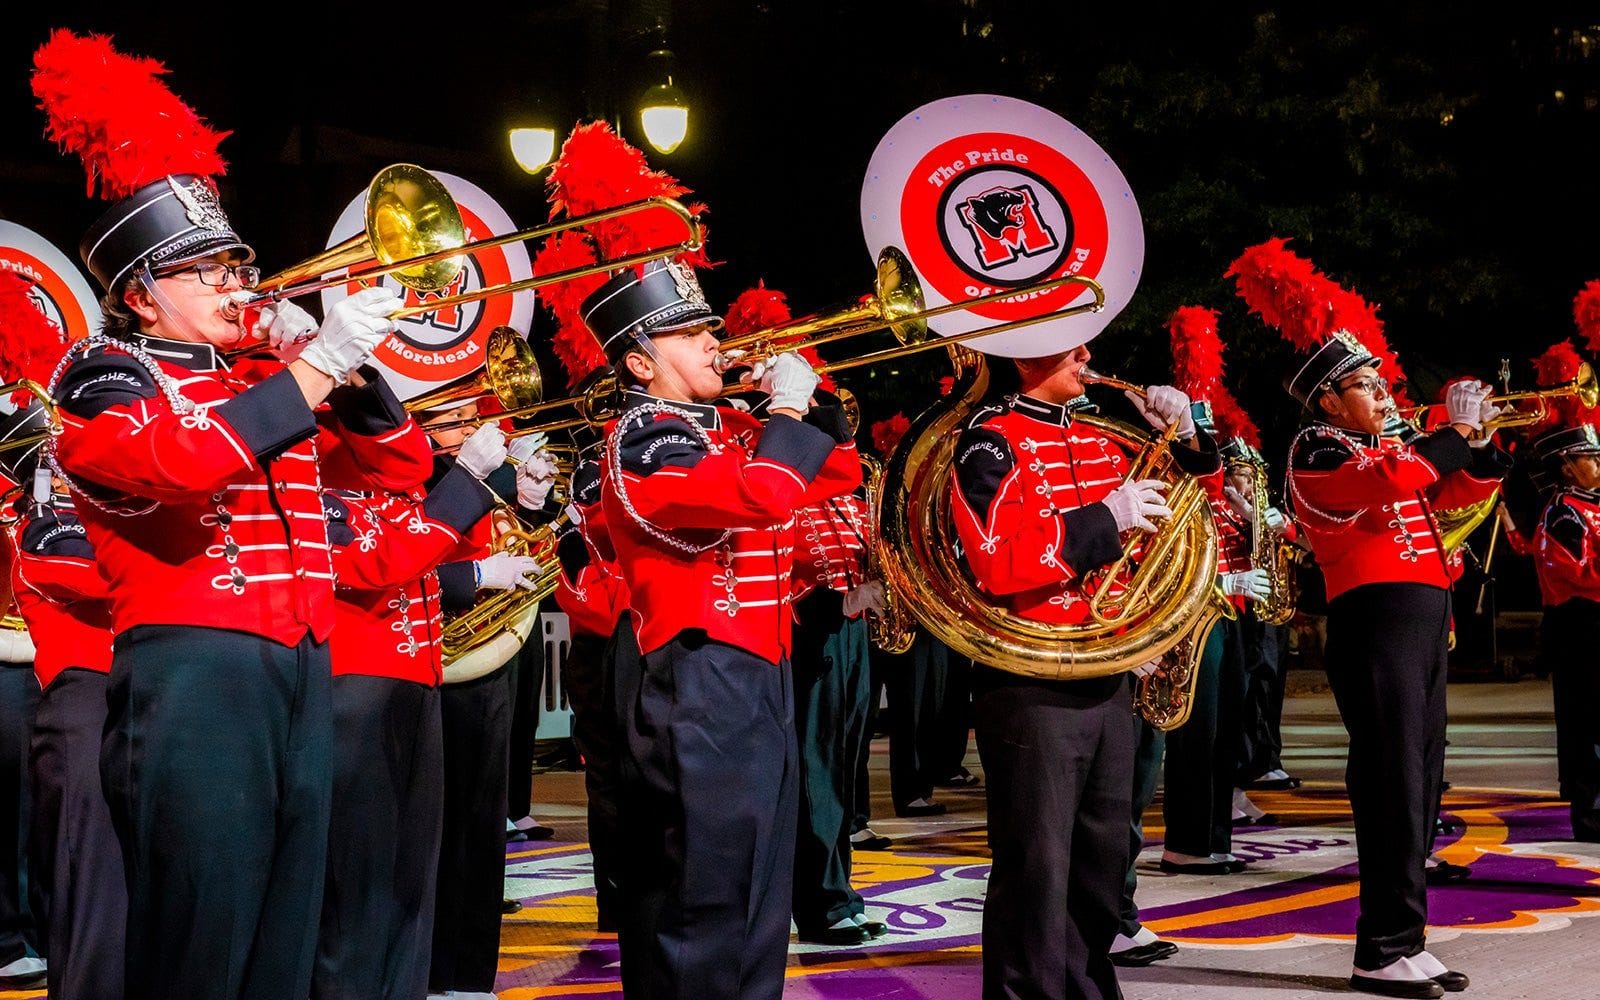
{"type": "Point", "coordinates": [414, 231]}
{"type": "Point", "coordinates": [52, 425]}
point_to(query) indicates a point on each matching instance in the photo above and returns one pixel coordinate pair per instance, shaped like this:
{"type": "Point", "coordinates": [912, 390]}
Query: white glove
{"type": "Point", "coordinates": [483, 452]}
{"type": "Point", "coordinates": [1146, 669]}
{"type": "Point", "coordinates": [1252, 584]}
{"type": "Point", "coordinates": [574, 515]}
{"type": "Point", "coordinates": [789, 379]}
{"type": "Point", "coordinates": [1161, 406]}
{"type": "Point", "coordinates": [1464, 402]}
{"type": "Point", "coordinates": [1486, 412]}
{"type": "Point", "coordinates": [502, 571]}
{"type": "Point", "coordinates": [1133, 504]}
{"type": "Point", "coordinates": [353, 330]}
{"type": "Point", "coordinates": [1273, 519]}
{"type": "Point", "coordinates": [281, 324]}
{"type": "Point", "coordinates": [1239, 502]}
{"type": "Point", "coordinates": [534, 479]}
{"type": "Point", "coordinates": [523, 448]}
{"type": "Point", "coordinates": [867, 597]}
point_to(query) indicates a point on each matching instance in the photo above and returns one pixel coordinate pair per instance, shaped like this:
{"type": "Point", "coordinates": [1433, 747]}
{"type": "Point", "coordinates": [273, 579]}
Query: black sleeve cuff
{"type": "Point", "coordinates": [1091, 538]}
{"type": "Point", "coordinates": [503, 481]}
{"type": "Point", "coordinates": [458, 500]}
{"type": "Point", "coordinates": [270, 415]}
{"type": "Point", "coordinates": [574, 555]}
{"type": "Point", "coordinates": [1198, 456]}
{"type": "Point", "coordinates": [1445, 450]}
{"type": "Point", "coordinates": [1489, 462]}
{"type": "Point", "coordinates": [458, 586]}
{"type": "Point", "coordinates": [371, 409]}
{"type": "Point", "coordinates": [796, 444]}
{"type": "Point", "coordinates": [829, 418]}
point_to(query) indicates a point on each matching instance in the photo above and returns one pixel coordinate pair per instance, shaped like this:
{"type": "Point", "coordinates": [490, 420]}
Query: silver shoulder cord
{"type": "Point", "coordinates": [617, 483]}
{"type": "Point", "coordinates": [1294, 491]}
{"type": "Point", "coordinates": [181, 404]}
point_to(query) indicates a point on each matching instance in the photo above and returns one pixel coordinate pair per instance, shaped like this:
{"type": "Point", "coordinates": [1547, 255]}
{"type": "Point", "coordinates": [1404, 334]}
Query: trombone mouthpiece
{"type": "Point", "coordinates": [232, 308]}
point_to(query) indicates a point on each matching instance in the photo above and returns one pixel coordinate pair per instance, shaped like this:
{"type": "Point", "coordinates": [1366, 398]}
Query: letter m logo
{"type": "Point", "coordinates": [1004, 223]}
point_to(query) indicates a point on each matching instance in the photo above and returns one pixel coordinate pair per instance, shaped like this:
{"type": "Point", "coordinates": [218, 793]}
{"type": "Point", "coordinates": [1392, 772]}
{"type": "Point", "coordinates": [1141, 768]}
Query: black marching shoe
{"type": "Point", "coordinates": [919, 807]}
{"type": "Point", "coordinates": [839, 935]}
{"type": "Point", "coordinates": [1445, 873]}
{"type": "Point", "coordinates": [874, 928]}
{"type": "Point", "coordinates": [1143, 954]}
{"type": "Point", "coordinates": [1452, 981]}
{"type": "Point", "coordinates": [1427, 988]}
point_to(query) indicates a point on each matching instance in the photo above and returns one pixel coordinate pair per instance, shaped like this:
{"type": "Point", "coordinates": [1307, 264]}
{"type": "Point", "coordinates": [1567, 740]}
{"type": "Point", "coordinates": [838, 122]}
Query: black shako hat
{"type": "Point", "coordinates": [660, 297]}
{"type": "Point", "coordinates": [1563, 442]}
{"type": "Point", "coordinates": [171, 221]}
{"type": "Point", "coordinates": [1338, 356]}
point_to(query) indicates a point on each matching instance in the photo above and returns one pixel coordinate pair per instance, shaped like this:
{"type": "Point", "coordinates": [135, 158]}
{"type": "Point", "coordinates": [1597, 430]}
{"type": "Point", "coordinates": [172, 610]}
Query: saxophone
{"type": "Point", "coordinates": [1270, 552]}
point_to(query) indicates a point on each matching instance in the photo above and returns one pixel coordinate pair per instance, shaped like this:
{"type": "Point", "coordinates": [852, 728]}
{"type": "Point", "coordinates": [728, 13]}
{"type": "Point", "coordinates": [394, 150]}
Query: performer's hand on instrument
{"type": "Point", "coordinates": [1146, 669]}
{"type": "Point", "coordinates": [503, 571]}
{"type": "Point", "coordinates": [1463, 402]}
{"type": "Point", "coordinates": [1238, 501]}
{"type": "Point", "coordinates": [867, 597]}
{"type": "Point", "coordinates": [353, 330]}
{"type": "Point", "coordinates": [1133, 504]}
{"type": "Point", "coordinates": [483, 452]}
{"type": "Point", "coordinates": [1252, 584]}
{"type": "Point", "coordinates": [1504, 515]}
{"type": "Point", "coordinates": [1273, 520]}
{"type": "Point", "coordinates": [1162, 406]}
{"type": "Point", "coordinates": [1487, 411]}
{"type": "Point", "coordinates": [285, 327]}
{"type": "Point", "coordinates": [789, 379]}
{"type": "Point", "coordinates": [523, 448]}
{"type": "Point", "coordinates": [535, 477]}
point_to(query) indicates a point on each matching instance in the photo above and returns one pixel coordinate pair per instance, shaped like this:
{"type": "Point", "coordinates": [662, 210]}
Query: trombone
{"type": "Point", "coordinates": [896, 306]}
{"type": "Point", "coordinates": [414, 231]}
{"type": "Point", "coordinates": [1583, 387]}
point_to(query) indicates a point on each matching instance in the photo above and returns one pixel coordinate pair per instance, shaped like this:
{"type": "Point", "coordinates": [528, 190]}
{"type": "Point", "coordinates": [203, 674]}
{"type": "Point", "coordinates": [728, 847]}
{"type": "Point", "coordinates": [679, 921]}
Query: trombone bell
{"type": "Point", "coordinates": [510, 374]}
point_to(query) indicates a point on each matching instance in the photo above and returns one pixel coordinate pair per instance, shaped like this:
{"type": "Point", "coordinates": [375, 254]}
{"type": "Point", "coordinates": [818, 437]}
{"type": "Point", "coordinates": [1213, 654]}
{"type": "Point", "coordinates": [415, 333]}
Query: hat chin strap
{"type": "Point", "coordinates": [648, 346]}
{"type": "Point", "coordinates": [165, 306]}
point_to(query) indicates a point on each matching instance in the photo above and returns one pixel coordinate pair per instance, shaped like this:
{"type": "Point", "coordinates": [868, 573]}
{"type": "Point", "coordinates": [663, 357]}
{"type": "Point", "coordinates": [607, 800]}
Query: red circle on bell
{"type": "Point", "coordinates": [462, 330]}
{"type": "Point", "coordinates": [68, 310]}
{"type": "Point", "coordinates": [1063, 189]}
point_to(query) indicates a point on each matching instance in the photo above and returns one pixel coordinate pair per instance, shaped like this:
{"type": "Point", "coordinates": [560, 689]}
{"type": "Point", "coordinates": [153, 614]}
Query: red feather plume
{"type": "Point", "coordinates": [1586, 313]}
{"type": "Point", "coordinates": [1557, 366]}
{"type": "Point", "coordinates": [597, 170]}
{"type": "Point", "coordinates": [113, 111]}
{"type": "Point", "coordinates": [31, 344]}
{"type": "Point", "coordinates": [1197, 368]}
{"type": "Point", "coordinates": [1306, 306]}
{"type": "Point", "coordinates": [886, 434]}
{"type": "Point", "coordinates": [761, 308]}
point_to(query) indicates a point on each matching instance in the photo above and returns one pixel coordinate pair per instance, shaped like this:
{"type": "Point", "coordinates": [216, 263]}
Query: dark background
{"type": "Point", "coordinates": [1444, 166]}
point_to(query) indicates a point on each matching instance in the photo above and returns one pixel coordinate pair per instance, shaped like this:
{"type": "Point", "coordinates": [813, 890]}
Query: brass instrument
{"type": "Point", "coordinates": [892, 630]}
{"type": "Point", "coordinates": [1583, 387]}
{"type": "Point", "coordinates": [477, 641]}
{"type": "Point", "coordinates": [1176, 604]}
{"type": "Point", "coordinates": [414, 231]}
{"type": "Point", "coordinates": [510, 373]}
{"type": "Point", "coordinates": [1270, 552]}
{"type": "Point", "coordinates": [898, 290]}
{"type": "Point", "coordinates": [52, 416]}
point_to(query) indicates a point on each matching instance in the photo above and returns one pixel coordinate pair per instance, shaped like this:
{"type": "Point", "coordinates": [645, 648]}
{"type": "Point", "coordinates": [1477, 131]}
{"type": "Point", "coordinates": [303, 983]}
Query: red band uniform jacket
{"type": "Point", "coordinates": [700, 505]}
{"type": "Point", "coordinates": [1026, 503]}
{"type": "Point", "coordinates": [202, 492]}
{"type": "Point", "coordinates": [1567, 544]}
{"type": "Point", "coordinates": [830, 549]}
{"type": "Point", "coordinates": [60, 592]}
{"type": "Point", "coordinates": [590, 588]}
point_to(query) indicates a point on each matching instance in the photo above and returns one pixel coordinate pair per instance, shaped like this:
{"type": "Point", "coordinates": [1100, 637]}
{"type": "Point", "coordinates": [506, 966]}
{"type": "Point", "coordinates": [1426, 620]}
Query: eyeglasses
{"type": "Point", "coordinates": [1375, 386]}
{"type": "Point", "coordinates": [215, 275]}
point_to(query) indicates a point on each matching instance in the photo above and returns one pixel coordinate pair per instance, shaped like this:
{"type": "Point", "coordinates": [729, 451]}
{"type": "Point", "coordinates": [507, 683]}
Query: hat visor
{"type": "Point", "coordinates": [207, 250]}
{"type": "Point", "coordinates": [1352, 364]}
{"type": "Point", "coordinates": [688, 323]}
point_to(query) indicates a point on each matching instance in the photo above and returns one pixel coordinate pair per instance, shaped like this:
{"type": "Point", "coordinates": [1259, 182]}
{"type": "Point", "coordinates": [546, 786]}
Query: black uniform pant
{"type": "Point", "coordinates": [383, 841]}
{"type": "Point", "coordinates": [528, 682]}
{"type": "Point", "coordinates": [597, 733]}
{"type": "Point", "coordinates": [1202, 754]}
{"type": "Point", "coordinates": [476, 727]}
{"type": "Point", "coordinates": [1058, 767]}
{"type": "Point", "coordinates": [711, 828]}
{"type": "Point", "coordinates": [1149, 743]}
{"type": "Point", "coordinates": [1260, 725]}
{"type": "Point", "coordinates": [20, 930]}
{"type": "Point", "coordinates": [216, 766]}
{"type": "Point", "coordinates": [1387, 664]}
{"type": "Point", "coordinates": [1573, 636]}
{"type": "Point", "coordinates": [918, 745]}
{"type": "Point", "coordinates": [831, 684]}
{"type": "Point", "coordinates": [76, 870]}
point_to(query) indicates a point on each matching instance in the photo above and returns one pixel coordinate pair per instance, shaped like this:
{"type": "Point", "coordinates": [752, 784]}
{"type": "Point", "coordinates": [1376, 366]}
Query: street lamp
{"type": "Point", "coordinates": [663, 113]}
{"type": "Point", "coordinates": [533, 147]}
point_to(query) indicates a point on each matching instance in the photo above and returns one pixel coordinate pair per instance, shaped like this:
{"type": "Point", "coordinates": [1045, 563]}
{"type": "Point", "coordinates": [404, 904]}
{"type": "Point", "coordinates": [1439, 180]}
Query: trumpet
{"type": "Point", "coordinates": [1583, 387]}
{"type": "Point", "coordinates": [414, 231]}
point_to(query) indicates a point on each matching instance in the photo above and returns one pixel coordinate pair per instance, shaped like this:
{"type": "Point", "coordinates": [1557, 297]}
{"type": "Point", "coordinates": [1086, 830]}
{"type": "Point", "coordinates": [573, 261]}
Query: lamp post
{"type": "Point", "coordinates": [663, 112]}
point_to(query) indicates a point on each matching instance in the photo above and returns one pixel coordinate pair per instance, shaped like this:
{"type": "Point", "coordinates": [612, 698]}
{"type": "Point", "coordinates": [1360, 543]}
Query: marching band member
{"type": "Point", "coordinates": [831, 667]}
{"type": "Point", "coordinates": [1037, 505]}
{"type": "Point", "coordinates": [1564, 545]}
{"type": "Point", "coordinates": [1364, 504]}
{"type": "Point", "coordinates": [592, 593]}
{"type": "Point", "coordinates": [1202, 753]}
{"type": "Point", "coordinates": [700, 505]}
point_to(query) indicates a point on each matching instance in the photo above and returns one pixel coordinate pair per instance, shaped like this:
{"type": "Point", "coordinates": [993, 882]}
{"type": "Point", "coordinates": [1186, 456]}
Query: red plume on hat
{"type": "Point", "coordinates": [1558, 365]}
{"type": "Point", "coordinates": [1306, 306]}
{"type": "Point", "coordinates": [1197, 368]}
{"type": "Point", "coordinates": [598, 170]}
{"type": "Point", "coordinates": [886, 434]}
{"type": "Point", "coordinates": [762, 308]}
{"type": "Point", "coordinates": [113, 111]}
{"type": "Point", "coordinates": [31, 344]}
{"type": "Point", "coordinates": [1586, 313]}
